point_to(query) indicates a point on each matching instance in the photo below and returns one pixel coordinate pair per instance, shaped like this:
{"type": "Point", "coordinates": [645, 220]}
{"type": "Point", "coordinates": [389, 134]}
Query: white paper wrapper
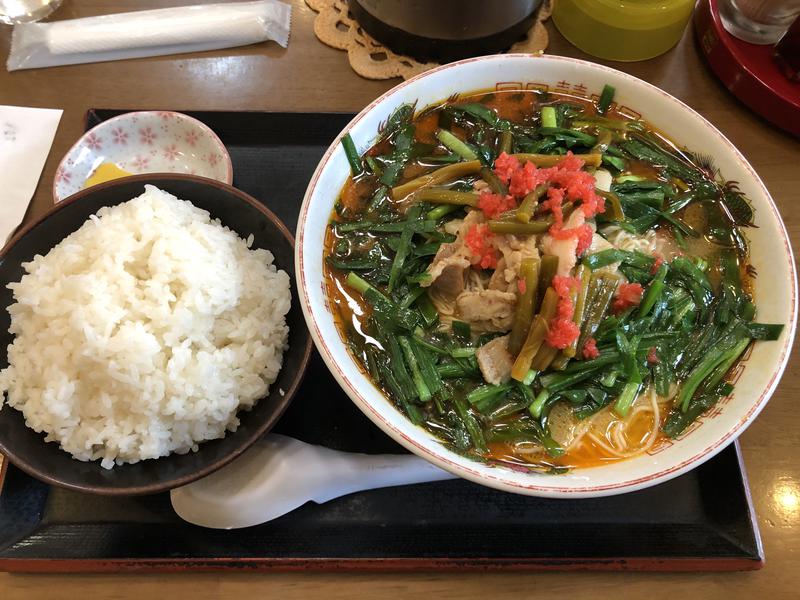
{"type": "Point", "coordinates": [149, 33]}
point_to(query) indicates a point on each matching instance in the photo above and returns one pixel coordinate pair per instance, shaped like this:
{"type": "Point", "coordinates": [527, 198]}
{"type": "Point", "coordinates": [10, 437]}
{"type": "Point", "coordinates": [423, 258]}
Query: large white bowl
{"type": "Point", "coordinates": [776, 284]}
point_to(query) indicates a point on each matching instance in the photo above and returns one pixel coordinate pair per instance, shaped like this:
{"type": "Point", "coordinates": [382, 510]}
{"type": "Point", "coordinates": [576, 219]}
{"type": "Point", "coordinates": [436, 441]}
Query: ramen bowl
{"type": "Point", "coordinates": [755, 378]}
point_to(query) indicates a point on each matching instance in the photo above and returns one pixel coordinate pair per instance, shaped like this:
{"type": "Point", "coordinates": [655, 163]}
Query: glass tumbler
{"type": "Point", "coordinates": [26, 11]}
{"type": "Point", "coordinates": [758, 21]}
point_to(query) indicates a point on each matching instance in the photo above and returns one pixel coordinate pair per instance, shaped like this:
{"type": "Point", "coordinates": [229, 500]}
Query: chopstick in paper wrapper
{"type": "Point", "coordinates": [149, 33]}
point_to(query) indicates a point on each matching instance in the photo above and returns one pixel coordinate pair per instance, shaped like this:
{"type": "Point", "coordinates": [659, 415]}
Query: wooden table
{"type": "Point", "coordinates": [309, 76]}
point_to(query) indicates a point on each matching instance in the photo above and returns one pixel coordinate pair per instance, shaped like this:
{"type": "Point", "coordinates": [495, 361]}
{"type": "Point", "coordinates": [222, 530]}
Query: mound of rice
{"type": "Point", "coordinates": [144, 332]}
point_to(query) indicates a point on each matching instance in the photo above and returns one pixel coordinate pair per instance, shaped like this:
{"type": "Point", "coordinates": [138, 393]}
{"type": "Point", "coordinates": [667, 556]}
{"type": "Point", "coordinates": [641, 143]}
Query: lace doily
{"type": "Point", "coordinates": [335, 27]}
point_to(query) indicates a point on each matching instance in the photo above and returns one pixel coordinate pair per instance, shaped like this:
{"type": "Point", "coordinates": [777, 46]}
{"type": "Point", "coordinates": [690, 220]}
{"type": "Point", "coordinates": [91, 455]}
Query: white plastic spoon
{"type": "Point", "coordinates": [279, 474]}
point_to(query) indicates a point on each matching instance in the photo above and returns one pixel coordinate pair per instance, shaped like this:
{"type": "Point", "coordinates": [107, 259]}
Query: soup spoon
{"type": "Point", "coordinates": [279, 474]}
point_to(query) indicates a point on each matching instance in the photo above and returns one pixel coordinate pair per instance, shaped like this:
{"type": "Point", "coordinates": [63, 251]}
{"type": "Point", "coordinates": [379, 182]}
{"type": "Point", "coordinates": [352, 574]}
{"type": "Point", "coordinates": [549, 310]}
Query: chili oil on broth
{"type": "Point", "coordinates": [598, 440]}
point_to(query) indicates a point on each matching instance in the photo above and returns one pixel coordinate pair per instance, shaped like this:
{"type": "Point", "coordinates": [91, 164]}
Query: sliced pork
{"type": "Point", "coordinates": [564, 249]}
{"type": "Point", "coordinates": [495, 361]}
{"type": "Point", "coordinates": [487, 310]}
{"type": "Point", "coordinates": [514, 248]}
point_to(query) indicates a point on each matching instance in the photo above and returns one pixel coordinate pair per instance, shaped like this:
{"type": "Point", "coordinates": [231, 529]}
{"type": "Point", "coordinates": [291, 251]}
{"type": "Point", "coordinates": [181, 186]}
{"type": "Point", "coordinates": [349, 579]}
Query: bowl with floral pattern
{"type": "Point", "coordinates": [142, 142]}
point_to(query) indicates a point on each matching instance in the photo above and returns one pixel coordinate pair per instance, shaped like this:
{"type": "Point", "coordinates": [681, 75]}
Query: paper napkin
{"type": "Point", "coordinates": [26, 135]}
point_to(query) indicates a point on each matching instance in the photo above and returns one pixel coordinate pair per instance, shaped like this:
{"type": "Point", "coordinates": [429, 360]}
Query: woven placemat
{"type": "Point", "coordinates": [369, 58]}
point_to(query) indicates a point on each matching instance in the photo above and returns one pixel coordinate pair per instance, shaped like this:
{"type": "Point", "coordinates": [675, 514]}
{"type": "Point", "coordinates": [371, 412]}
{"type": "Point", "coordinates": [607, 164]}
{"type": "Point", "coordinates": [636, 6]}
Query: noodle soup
{"type": "Point", "coordinates": [538, 280]}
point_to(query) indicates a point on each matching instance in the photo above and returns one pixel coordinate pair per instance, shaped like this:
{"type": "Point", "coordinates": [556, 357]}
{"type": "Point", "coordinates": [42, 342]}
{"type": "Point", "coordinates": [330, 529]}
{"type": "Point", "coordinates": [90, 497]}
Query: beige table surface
{"type": "Point", "coordinates": [311, 77]}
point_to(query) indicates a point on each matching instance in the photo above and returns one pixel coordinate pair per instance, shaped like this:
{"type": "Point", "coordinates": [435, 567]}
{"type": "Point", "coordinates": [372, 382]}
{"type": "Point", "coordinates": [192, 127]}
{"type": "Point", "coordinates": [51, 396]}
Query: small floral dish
{"type": "Point", "coordinates": [143, 142]}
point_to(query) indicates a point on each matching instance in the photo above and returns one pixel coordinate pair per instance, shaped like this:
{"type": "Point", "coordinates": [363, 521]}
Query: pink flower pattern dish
{"type": "Point", "coordinates": [119, 136]}
{"type": "Point", "coordinates": [171, 152]}
{"type": "Point", "coordinates": [146, 136]}
{"type": "Point", "coordinates": [144, 142]}
{"type": "Point", "coordinates": [93, 142]}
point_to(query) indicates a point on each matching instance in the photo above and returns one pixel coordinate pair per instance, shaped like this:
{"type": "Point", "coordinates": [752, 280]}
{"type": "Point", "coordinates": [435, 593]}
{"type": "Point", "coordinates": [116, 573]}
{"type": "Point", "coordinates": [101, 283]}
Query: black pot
{"type": "Point", "coordinates": [445, 30]}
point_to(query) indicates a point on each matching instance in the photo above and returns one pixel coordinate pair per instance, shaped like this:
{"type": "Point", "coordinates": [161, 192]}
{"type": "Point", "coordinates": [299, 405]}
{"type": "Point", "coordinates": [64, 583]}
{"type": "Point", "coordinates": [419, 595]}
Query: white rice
{"type": "Point", "coordinates": [144, 332]}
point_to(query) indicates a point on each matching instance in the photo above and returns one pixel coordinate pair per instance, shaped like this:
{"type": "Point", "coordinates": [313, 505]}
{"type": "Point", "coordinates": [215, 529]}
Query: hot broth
{"type": "Point", "coordinates": [540, 280]}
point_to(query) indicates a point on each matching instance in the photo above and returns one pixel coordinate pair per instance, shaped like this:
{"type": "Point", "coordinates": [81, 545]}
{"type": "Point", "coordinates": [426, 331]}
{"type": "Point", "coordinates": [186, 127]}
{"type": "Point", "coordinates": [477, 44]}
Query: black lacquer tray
{"type": "Point", "coordinates": [702, 521]}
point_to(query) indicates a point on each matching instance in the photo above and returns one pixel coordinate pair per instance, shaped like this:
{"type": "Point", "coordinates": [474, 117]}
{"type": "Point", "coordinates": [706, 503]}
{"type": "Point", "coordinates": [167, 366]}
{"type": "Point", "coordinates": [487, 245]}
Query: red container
{"type": "Point", "coordinates": [787, 52]}
{"type": "Point", "coordinates": [748, 70]}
